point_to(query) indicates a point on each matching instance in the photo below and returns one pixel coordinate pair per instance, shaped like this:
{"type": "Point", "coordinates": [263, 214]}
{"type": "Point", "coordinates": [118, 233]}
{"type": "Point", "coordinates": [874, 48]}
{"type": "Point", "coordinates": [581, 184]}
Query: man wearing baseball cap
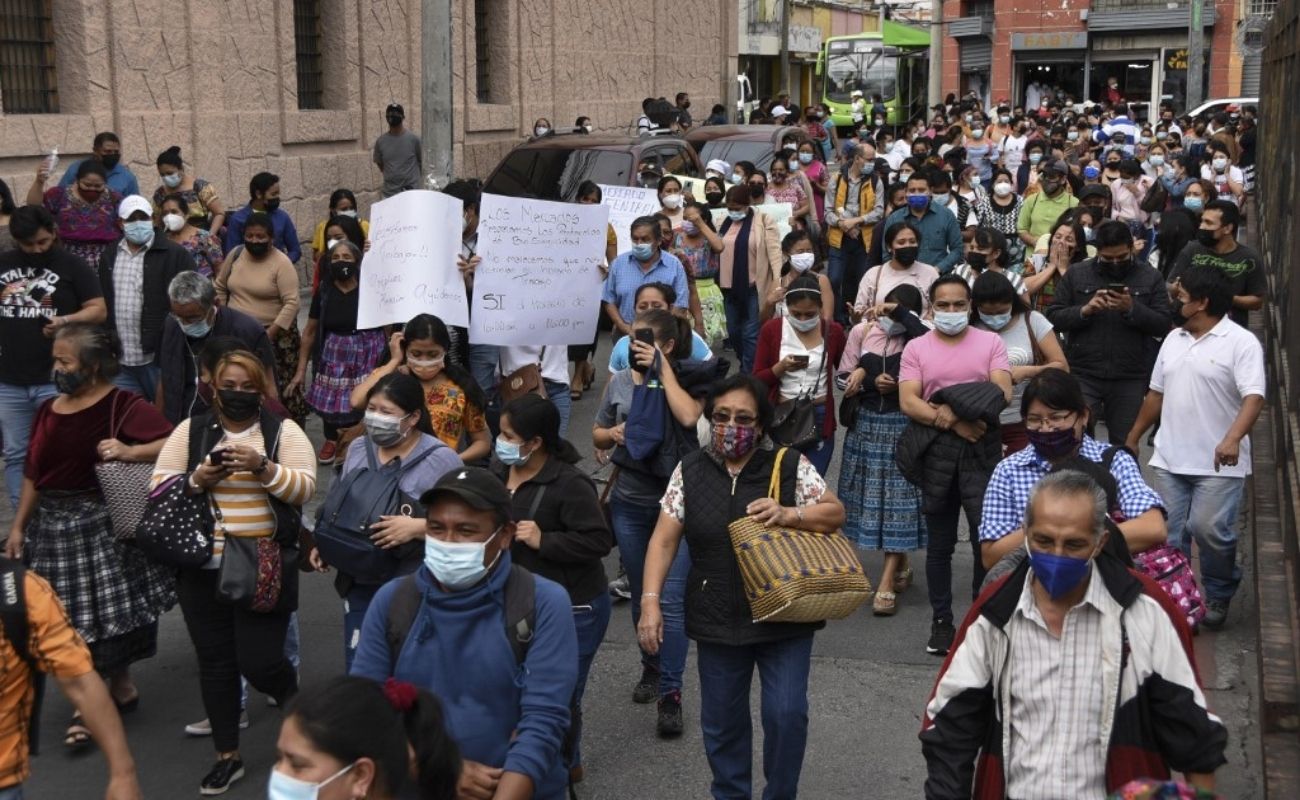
{"type": "Point", "coordinates": [504, 682]}
{"type": "Point", "coordinates": [1041, 209]}
{"type": "Point", "coordinates": [134, 275]}
{"type": "Point", "coordinates": [398, 154]}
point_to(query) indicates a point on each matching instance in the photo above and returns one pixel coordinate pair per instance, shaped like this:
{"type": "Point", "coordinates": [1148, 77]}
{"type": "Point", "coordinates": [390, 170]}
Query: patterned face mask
{"type": "Point", "coordinates": [734, 441]}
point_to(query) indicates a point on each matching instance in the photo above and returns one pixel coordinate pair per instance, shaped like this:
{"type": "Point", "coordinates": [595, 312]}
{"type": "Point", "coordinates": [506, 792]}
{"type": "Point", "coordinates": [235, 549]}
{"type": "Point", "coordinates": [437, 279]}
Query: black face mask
{"type": "Point", "coordinates": [272, 203]}
{"type": "Point", "coordinates": [69, 382]}
{"type": "Point", "coordinates": [343, 270]}
{"type": "Point", "coordinates": [1051, 187]}
{"type": "Point", "coordinates": [757, 192]}
{"type": "Point", "coordinates": [238, 406]}
{"type": "Point", "coordinates": [394, 120]}
{"type": "Point", "coordinates": [1115, 270]}
{"type": "Point", "coordinates": [1207, 238]}
{"type": "Point", "coordinates": [42, 259]}
{"type": "Point", "coordinates": [714, 198]}
{"type": "Point", "coordinates": [907, 255]}
{"type": "Point", "coordinates": [257, 249]}
{"type": "Point", "coordinates": [977, 261]}
{"type": "Point", "coordinates": [111, 161]}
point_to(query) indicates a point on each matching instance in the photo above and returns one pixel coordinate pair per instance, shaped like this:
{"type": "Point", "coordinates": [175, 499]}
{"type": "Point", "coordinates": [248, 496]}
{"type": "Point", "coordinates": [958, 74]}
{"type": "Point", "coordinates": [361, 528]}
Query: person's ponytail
{"type": "Point", "coordinates": [437, 760]}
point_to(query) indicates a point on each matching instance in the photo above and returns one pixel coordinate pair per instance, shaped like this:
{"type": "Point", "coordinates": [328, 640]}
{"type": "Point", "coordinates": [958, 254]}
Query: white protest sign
{"type": "Point", "coordinates": [779, 212]}
{"type": "Point", "coordinates": [626, 203]}
{"type": "Point", "coordinates": [411, 266]}
{"type": "Point", "coordinates": [539, 280]}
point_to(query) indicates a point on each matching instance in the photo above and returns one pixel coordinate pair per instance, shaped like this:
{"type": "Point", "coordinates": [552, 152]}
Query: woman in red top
{"type": "Point", "coordinates": [797, 356]}
{"type": "Point", "coordinates": [113, 595]}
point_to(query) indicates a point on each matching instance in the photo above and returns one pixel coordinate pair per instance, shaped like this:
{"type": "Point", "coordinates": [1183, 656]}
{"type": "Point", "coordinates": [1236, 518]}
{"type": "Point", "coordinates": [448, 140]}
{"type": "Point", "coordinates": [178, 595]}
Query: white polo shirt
{"type": "Point", "coordinates": [553, 359]}
{"type": "Point", "coordinates": [1204, 382]}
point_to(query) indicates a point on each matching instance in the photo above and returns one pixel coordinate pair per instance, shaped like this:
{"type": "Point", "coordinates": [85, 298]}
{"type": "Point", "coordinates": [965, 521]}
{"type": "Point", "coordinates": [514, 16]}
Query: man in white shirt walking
{"type": "Point", "coordinates": [1207, 389]}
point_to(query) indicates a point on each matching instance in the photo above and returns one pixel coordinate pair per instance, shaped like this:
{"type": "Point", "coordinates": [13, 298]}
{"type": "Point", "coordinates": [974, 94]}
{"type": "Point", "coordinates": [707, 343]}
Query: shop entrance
{"type": "Point", "coordinates": [1135, 79]}
{"type": "Point", "coordinates": [1058, 81]}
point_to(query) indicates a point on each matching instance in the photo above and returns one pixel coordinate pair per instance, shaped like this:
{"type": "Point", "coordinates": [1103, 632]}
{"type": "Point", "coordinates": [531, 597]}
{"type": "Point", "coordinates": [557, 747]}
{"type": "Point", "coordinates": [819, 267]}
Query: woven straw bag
{"type": "Point", "coordinates": [793, 575]}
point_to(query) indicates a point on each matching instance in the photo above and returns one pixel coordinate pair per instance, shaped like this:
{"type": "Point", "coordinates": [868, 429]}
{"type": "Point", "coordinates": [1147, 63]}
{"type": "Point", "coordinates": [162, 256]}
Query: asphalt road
{"type": "Point", "coordinates": [870, 679]}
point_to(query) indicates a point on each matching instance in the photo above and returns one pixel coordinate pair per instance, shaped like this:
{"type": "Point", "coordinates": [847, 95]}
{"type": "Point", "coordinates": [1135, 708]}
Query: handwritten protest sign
{"type": "Point", "coordinates": [780, 212]}
{"type": "Point", "coordinates": [626, 203]}
{"type": "Point", "coordinates": [539, 280]}
{"type": "Point", "coordinates": [411, 266]}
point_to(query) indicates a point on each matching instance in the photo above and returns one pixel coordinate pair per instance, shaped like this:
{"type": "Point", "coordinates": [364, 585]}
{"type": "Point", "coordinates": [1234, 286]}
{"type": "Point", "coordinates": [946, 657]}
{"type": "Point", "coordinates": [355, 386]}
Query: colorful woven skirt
{"type": "Point", "coordinates": [882, 510]}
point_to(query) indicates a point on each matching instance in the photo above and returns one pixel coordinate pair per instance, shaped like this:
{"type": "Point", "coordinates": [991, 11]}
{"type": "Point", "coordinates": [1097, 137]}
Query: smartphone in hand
{"type": "Point", "coordinates": [217, 457]}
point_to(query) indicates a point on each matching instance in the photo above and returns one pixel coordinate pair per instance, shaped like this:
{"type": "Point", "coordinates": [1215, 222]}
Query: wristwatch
{"type": "Point", "coordinates": [266, 462]}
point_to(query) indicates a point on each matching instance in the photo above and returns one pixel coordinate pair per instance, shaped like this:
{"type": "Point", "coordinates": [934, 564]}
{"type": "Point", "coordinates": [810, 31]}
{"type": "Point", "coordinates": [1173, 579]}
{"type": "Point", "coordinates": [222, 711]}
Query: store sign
{"type": "Point", "coordinates": [805, 39]}
{"type": "Point", "coordinates": [1176, 59]}
{"type": "Point", "coordinates": [1049, 41]}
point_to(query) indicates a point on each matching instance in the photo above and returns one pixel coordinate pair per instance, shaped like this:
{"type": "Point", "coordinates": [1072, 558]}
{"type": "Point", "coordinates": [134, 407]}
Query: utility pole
{"type": "Point", "coordinates": [936, 60]}
{"type": "Point", "coordinates": [786, 8]}
{"type": "Point", "coordinates": [1196, 55]}
{"type": "Point", "coordinates": [435, 91]}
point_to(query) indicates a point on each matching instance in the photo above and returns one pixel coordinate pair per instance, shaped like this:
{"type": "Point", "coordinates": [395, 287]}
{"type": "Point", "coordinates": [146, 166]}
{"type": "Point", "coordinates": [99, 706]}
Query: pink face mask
{"type": "Point", "coordinates": [734, 441]}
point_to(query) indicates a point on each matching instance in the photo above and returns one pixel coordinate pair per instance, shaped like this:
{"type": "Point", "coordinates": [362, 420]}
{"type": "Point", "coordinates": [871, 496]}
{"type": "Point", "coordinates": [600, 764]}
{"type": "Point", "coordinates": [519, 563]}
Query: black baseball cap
{"type": "Point", "coordinates": [395, 108]}
{"type": "Point", "coordinates": [476, 487]}
{"type": "Point", "coordinates": [1056, 165]}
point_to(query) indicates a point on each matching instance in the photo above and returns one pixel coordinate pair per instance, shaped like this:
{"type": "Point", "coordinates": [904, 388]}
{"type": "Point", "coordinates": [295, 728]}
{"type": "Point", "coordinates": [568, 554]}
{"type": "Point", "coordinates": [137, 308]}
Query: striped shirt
{"type": "Point", "coordinates": [1056, 699]}
{"type": "Point", "coordinates": [241, 498]}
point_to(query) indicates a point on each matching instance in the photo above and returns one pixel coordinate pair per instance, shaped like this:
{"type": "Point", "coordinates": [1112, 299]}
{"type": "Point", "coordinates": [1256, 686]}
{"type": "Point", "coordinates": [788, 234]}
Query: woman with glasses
{"type": "Point", "coordinates": [727, 480]}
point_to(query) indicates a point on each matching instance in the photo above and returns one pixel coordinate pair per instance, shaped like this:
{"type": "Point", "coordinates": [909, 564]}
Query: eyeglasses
{"type": "Point", "coordinates": [1054, 420]}
{"type": "Point", "coordinates": [723, 418]}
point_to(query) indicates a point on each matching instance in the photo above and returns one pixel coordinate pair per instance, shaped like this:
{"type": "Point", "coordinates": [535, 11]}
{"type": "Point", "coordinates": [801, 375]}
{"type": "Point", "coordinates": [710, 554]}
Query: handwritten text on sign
{"type": "Point", "coordinates": [411, 266]}
{"type": "Point", "coordinates": [539, 280]}
{"type": "Point", "coordinates": [626, 203]}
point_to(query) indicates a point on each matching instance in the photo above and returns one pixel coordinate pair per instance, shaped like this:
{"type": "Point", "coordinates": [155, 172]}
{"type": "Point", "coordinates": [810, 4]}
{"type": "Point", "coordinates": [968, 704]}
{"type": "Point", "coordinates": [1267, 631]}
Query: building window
{"type": "Point", "coordinates": [308, 45]}
{"type": "Point", "coordinates": [28, 83]}
{"type": "Point", "coordinates": [482, 53]}
{"type": "Point", "coordinates": [1260, 8]}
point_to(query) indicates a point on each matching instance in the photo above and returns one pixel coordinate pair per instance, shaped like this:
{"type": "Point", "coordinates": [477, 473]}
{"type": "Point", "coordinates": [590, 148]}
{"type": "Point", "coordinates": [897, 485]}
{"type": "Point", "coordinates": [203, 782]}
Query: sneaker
{"type": "Point", "coordinates": [223, 773]}
{"type": "Point", "coordinates": [646, 689]}
{"type": "Point", "coordinates": [271, 703]}
{"type": "Point", "coordinates": [327, 452]}
{"type": "Point", "coordinates": [620, 589]}
{"type": "Point", "coordinates": [670, 715]}
{"type": "Point", "coordinates": [941, 635]}
{"type": "Point", "coordinates": [1216, 613]}
{"type": "Point", "coordinates": [204, 727]}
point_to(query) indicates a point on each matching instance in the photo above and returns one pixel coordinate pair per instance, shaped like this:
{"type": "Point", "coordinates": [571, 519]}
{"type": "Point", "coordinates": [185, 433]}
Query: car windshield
{"type": "Point", "coordinates": [549, 174]}
{"type": "Point", "coordinates": [867, 67]}
{"type": "Point", "coordinates": [758, 153]}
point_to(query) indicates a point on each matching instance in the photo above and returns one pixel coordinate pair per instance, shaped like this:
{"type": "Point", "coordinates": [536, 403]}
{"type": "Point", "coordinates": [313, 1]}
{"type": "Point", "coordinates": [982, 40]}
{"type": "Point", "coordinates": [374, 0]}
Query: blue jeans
{"type": "Point", "coordinates": [591, 621]}
{"type": "Point", "coordinates": [741, 307]}
{"type": "Point", "coordinates": [483, 362]}
{"type": "Point", "coordinates": [633, 525]}
{"type": "Point", "coordinates": [355, 606]}
{"type": "Point", "coordinates": [14, 792]}
{"type": "Point", "coordinates": [559, 395]}
{"type": "Point", "coordinates": [821, 451]}
{"type": "Point", "coordinates": [143, 380]}
{"type": "Point", "coordinates": [18, 405]}
{"type": "Point", "coordinates": [845, 267]}
{"type": "Point", "coordinates": [726, 673]}
{"type": "Point", "coordinates": [1204, 508]}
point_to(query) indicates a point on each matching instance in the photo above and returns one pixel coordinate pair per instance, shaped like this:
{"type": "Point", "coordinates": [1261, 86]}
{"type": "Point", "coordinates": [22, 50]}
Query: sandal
{"type": "Point", "coordinates": [77, 735]}
{"type": "Point", "coordinates": [885, 604]}
{"type": "Point", "coordinates": [903, 580]}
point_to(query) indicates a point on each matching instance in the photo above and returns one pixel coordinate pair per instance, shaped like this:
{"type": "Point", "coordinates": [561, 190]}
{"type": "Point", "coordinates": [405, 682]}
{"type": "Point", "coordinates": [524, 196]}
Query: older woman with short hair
{"type": "Point", "coordinates": [62, 527]}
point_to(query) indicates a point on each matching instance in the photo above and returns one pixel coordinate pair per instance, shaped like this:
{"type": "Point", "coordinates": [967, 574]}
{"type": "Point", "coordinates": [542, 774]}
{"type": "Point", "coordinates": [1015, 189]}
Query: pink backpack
{"type": "Point", "coordinates": [1169, 567]}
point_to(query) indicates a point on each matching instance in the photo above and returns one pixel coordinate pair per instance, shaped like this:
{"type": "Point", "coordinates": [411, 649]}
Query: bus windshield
{"type": "Point", "coordinates": [860, 64]}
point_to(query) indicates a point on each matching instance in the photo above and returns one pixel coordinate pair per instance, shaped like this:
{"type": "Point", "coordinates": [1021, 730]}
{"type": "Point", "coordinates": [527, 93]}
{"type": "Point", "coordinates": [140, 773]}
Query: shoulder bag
{"type": "Point", "coordinates": [176, 528]}
{"type": "Point", "coordinates": [525, 380]}
{"type": "Point", "coordinates": [796, 575]}
{"type": "Point", "coordinates": [124, 484]}
{"type": "Point", "coordinates": [794, 422]}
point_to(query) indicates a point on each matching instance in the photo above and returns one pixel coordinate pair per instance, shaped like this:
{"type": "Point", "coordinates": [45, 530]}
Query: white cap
{"type": "Point", "coordinates": [779, 111]}
{"type": "Point", "coordinates": [856, 93]}
{"type": "Point", "coordinates": [719, 166]}
{"type": "Point", "coordinates": [133, 203]}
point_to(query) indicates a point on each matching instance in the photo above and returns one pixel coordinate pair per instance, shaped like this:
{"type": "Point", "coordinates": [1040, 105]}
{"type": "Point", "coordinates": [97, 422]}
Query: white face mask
{"type": "Point", "coordinates": [672, 200]}
{"type": "Point", "coordinates": [802, 262]}
{"type": "Point", "coordinates": [804, 325]}
{"type": "Point", "coordinates": [173, 222]}
{"type": "Point", "coordinates": [458, 565]}
{"type": "Point", "coordinates": [286, 787]}
{"type": "Point", "coordinates": [348, 212]}
{"type": "Point", "coordinates": [330, 244]}
{"type": "Point", "coordinates": [1002, 189]}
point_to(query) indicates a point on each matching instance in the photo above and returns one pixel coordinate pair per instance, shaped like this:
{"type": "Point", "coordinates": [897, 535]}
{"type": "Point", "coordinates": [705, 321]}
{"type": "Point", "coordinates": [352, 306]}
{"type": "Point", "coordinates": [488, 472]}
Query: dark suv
{"type": "Point", "coordinates": [552, 167]}
{"type": "Point", "coordinates": [731, 143]}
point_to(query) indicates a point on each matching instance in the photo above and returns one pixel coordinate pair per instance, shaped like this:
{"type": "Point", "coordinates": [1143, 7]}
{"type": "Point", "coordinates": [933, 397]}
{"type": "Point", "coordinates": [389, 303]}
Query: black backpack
{"type": "Point", "coordinates": [17, 630]}
{"type": "Point", "coordinates": [353, 504]}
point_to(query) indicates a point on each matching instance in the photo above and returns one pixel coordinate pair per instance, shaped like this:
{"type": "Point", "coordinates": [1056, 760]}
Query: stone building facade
{"type": "Point", "coordinates": [299, 87]}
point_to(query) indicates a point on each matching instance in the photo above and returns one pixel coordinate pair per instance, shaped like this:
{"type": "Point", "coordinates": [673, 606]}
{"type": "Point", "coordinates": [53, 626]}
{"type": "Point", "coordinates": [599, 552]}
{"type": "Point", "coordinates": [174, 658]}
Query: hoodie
{"type": "Point", "coordinates": [502, 714]}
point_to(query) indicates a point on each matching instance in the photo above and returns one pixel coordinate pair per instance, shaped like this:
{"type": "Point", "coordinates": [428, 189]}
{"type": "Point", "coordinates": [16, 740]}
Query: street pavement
{"type": "Point", "coordinates": [870, 679]}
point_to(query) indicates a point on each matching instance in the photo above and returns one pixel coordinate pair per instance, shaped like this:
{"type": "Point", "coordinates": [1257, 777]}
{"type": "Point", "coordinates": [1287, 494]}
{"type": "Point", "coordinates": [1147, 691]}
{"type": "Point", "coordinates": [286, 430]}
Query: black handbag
{"type": "Point", "coordinates": [176, 528]}
{"type": "Point", "coordinates": [794, 422]}
{"type": "Point", "coordinates": [251, 573]}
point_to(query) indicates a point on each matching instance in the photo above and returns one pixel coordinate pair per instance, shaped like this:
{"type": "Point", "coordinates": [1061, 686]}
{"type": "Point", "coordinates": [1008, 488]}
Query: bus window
{"type": "Point", "coordinates": [874, 72]}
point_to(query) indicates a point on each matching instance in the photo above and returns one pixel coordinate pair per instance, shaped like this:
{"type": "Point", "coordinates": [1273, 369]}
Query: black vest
{"type": "Point", "coordinates": [717, 610]}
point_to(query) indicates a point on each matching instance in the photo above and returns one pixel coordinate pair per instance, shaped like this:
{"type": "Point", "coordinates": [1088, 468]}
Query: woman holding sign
{"type": "Point", "coordinates": [454, 400]}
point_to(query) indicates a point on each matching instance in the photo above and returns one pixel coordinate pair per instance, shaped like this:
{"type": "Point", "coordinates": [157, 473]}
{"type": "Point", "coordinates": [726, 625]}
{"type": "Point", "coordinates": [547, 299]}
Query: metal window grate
{"type": "Point", "coordinates": [1260, 8]}
{"type": "Point", "coordinates": [308, 43]}
{"type": "Point", "coordinates": [28, 81]}
{"type": "Point", "coordinates": [482, 61]}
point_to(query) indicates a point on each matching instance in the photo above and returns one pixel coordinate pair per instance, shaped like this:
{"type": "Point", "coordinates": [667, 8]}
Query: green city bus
{"type": "Point", "coordinates": [894, 66]}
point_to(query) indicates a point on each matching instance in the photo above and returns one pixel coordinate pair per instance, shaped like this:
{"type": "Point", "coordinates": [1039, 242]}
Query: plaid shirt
{"type": "Point", "coordinates": [1013, 478]}
{"type": "Point", "coordinates": [128, 302]}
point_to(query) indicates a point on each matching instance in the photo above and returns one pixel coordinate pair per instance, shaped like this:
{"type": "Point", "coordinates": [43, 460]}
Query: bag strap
{"type": "Point", "coordinates": [537, 501]}
{"type": "Point", "coordinates": [609, 484]}
{"type": "Point", "coordinates": [17, 630]}
{"type": "Point", "coordinates": [774, 484]}
{"type": "Point", "coordinates": [402, 610]}
{"type": "Point", "coordinates": [1033, 339]}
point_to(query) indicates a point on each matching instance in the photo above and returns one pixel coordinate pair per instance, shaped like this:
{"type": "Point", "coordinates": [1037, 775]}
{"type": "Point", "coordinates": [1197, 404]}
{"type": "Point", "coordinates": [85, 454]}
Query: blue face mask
{"type": "Point", "coordinates": [642, 251]}
{"type": "Point", "coordinates": [458, 565]}
{"type": "Point", "coordinates": [285, 787]}
{"type": "Point", "coordinates": [508, 453]}
{"type": "Point", "coordinates": [996, 322]}
{"type": "Point", "coordinates": [1058, 574]}
{"type": "Point", "coordinates": [737, 216]}
{"type": "Point", "coordinates": [918, 201]}
{"type": "Point", "coordinates": [197, 330]}
{"type": "Point", "coordinates": [1091, 172]}
{"type": "Point", "coordinates": [1193, 203]}
{"type": "Point", "coordinates": [138, 232]}
{"type": "Point", "coordinates": [889, 326]}
{"type": "Point", "coordinates": [951, 322]}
